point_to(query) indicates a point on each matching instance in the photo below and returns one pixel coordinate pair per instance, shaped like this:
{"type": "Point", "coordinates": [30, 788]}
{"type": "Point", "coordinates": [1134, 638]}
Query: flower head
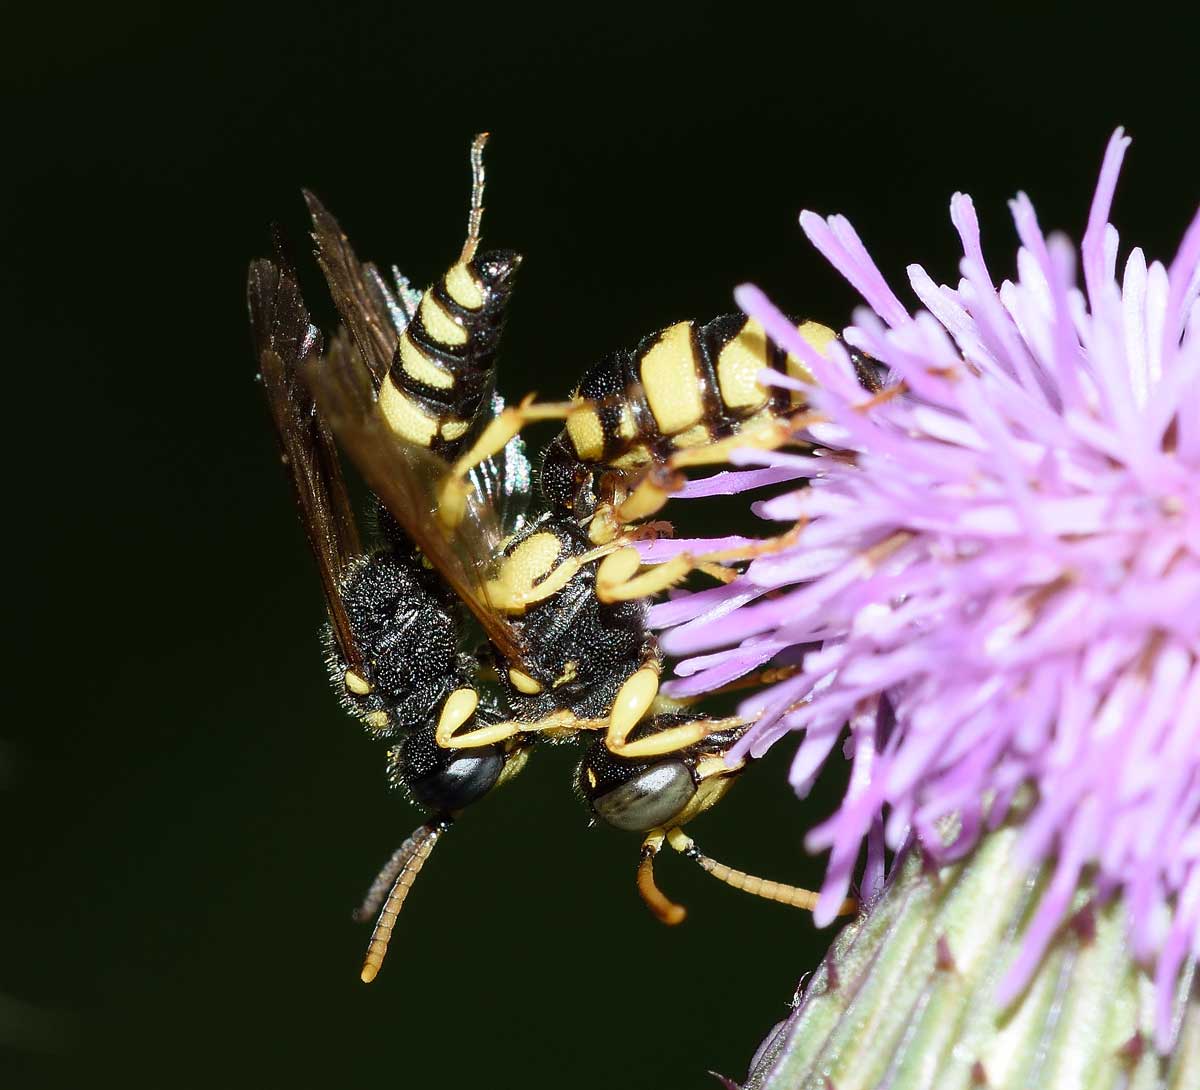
{"type": "Point", "coordinates": [996, 577]}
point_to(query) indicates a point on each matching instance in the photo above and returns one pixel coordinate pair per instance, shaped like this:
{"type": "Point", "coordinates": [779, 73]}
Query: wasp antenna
{"type": "Point", "coordinates": [390, 871]}
{"type": "Point", "coordinates": [796, 896]}
{"type": "Point", "coordinates": [665, 910]}
{"type": "Point", "coordinates": [399, 873]}
{"type": "Point", "coordinates": [476, 214]}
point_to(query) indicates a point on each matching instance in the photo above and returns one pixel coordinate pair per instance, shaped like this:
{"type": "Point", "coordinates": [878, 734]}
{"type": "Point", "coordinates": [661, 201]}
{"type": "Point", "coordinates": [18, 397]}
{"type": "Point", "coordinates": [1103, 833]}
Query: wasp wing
{"type": "Point", "coordinates": [374, 315]}
{"type": "Point", "coordinates": [403, 298]}
{"type": "Point", "coordinates": [283, 339]}
{"type": "Point", "coordinates": [405, 478]}
{"type": "Point", "coordinates": [504, 483]}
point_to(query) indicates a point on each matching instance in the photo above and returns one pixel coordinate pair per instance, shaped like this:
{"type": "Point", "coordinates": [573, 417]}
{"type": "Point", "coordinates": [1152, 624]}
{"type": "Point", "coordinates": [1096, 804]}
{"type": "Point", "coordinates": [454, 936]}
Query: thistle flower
{"type": "Point", "coordinates": [995, 580]}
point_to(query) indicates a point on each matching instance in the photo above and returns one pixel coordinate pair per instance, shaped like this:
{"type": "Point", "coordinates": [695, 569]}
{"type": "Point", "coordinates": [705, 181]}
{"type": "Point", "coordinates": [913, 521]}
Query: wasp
{"type": "Point", "coordinates": [496, 612]}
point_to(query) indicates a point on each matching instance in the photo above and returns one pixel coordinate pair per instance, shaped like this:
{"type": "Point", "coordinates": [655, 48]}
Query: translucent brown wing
{"type": "Point", "coordinates": [405, 478]}
{"type": "Point", "coordinates": [283, 339]}
{"type": "Point", "coordinates": [374, 316]}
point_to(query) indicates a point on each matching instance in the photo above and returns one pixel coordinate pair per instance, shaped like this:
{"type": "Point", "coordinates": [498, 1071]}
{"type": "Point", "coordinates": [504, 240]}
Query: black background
{"type": "Point", "coordinates": [186, 819]}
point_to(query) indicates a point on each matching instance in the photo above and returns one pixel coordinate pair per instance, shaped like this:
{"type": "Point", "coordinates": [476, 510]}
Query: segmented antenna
{"type": "Point", "coordinates": [795, 896]}
{"type": "Point", "coordinates": [387, 876]}
{"type": "Point", "coordinates": [398, 873]}
{"type": "Point", "coordinates": [476, 214]}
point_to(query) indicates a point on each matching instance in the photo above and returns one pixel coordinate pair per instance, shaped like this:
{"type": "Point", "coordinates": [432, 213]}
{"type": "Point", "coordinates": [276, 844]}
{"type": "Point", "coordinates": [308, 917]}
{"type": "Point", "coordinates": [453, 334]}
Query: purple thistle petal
{"type": "Point", "coordinates": [730, 484]}
{"type": "Point", "coordinates": [843, 249]}
{"type": "Point", "coordinates": [656, 552]}
{"type": "Point", "coordinates": [707, 604]}
{"type": "Point", "coordinates": [1095, 272]}
{"type": "Point", "coordinates": [712, 671]}
{"type": "Point", "coordinates": [1009, 559]}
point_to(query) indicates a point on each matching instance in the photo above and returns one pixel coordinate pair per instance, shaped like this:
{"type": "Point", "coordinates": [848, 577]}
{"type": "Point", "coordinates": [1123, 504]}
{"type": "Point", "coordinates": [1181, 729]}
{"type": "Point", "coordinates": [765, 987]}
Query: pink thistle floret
{"type": "Point", "coordinates": [997, 583]}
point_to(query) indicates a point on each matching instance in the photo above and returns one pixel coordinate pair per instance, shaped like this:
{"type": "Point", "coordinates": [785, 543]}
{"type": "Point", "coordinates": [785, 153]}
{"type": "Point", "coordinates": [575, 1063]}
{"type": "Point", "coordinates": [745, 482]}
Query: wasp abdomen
{"type": "Point", "coordinates": [688, 385]}
{"type": "Point", "coordinates": [443, 365]}
{"type": "Point", "coordinates": [684, 386]}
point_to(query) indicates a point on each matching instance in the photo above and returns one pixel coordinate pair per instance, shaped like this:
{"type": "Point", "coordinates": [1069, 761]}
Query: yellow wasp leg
{"type": "Point", "coordinates": [453, 491]}
{"type": "Point", "coordinates": [618, 578]}
{"type": "Point", "coordinates": [669, 740]}
{"type": "Point", "coordinates": [650, 493]}
{"type": "Point", "coordinates": [510, 596]}
{"type": "Point", "coordinates": [757, 548]}
{"type": "Point", "coordinates": [776, 434]}
{"type": "Point", "coordinates": [670, 913]}
{"type": "Point", "coordinates": [664, 909]}
{"type": "Point", "coordinates": [715, 453]}
{"type": "Point", "coordinates": [460, 706]}
{"type": "Point", "coordinates": [634, 700]}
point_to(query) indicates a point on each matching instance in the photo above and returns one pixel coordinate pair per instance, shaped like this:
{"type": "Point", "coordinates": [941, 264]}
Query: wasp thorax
{"type": "Point", "coordinates": [444, 779]}
{"type": "Point", "coordinates": [408, 639]}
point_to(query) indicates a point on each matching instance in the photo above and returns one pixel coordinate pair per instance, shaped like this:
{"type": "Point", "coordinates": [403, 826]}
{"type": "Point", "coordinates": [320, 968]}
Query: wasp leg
{"type": "Point", "coordinates": [619, 577]}
{"type": "Point", "coordinates": [460, 706]}
{"type": "Point", "coordinates": [615, 518]}
{"type": "Point", "coordinates": [771, 436]}
{"type": "Point", "coordinates": [664, 909]}
{"type": "Point", "coordinates": [453, 492]}
{"type": "Point", "coordinates": [651, 493]}
{"type": "Point", "coordinates": [633, 701]}
{"type": "Point", "coordinates": [669, 740]}
{"type": "Point", "coordinates": [513, 591]}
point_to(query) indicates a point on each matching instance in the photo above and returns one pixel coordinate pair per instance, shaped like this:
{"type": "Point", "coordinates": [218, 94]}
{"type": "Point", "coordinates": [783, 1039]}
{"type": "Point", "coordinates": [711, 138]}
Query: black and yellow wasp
{"type": "Point", "coordinates": [497, 610]}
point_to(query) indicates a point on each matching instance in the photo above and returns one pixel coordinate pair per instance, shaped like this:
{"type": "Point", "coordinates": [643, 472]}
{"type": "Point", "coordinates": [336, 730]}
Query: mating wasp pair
{"type": "Point", "coordinates": [502, 606]}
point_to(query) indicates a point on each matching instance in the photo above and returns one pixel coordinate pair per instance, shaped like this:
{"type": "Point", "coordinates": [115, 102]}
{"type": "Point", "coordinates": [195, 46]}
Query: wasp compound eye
{"type": "Point", "coordinates": [446, 779]}
{"type": "Point", "coordinates": [635, 796]}
{"type": "Point", "coordinates": [647, 799]}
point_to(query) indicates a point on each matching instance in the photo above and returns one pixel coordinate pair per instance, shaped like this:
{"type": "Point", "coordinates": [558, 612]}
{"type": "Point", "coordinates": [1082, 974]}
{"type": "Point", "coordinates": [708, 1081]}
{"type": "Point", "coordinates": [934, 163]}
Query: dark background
{"type": "Point", "coordinates": [186, 818]}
